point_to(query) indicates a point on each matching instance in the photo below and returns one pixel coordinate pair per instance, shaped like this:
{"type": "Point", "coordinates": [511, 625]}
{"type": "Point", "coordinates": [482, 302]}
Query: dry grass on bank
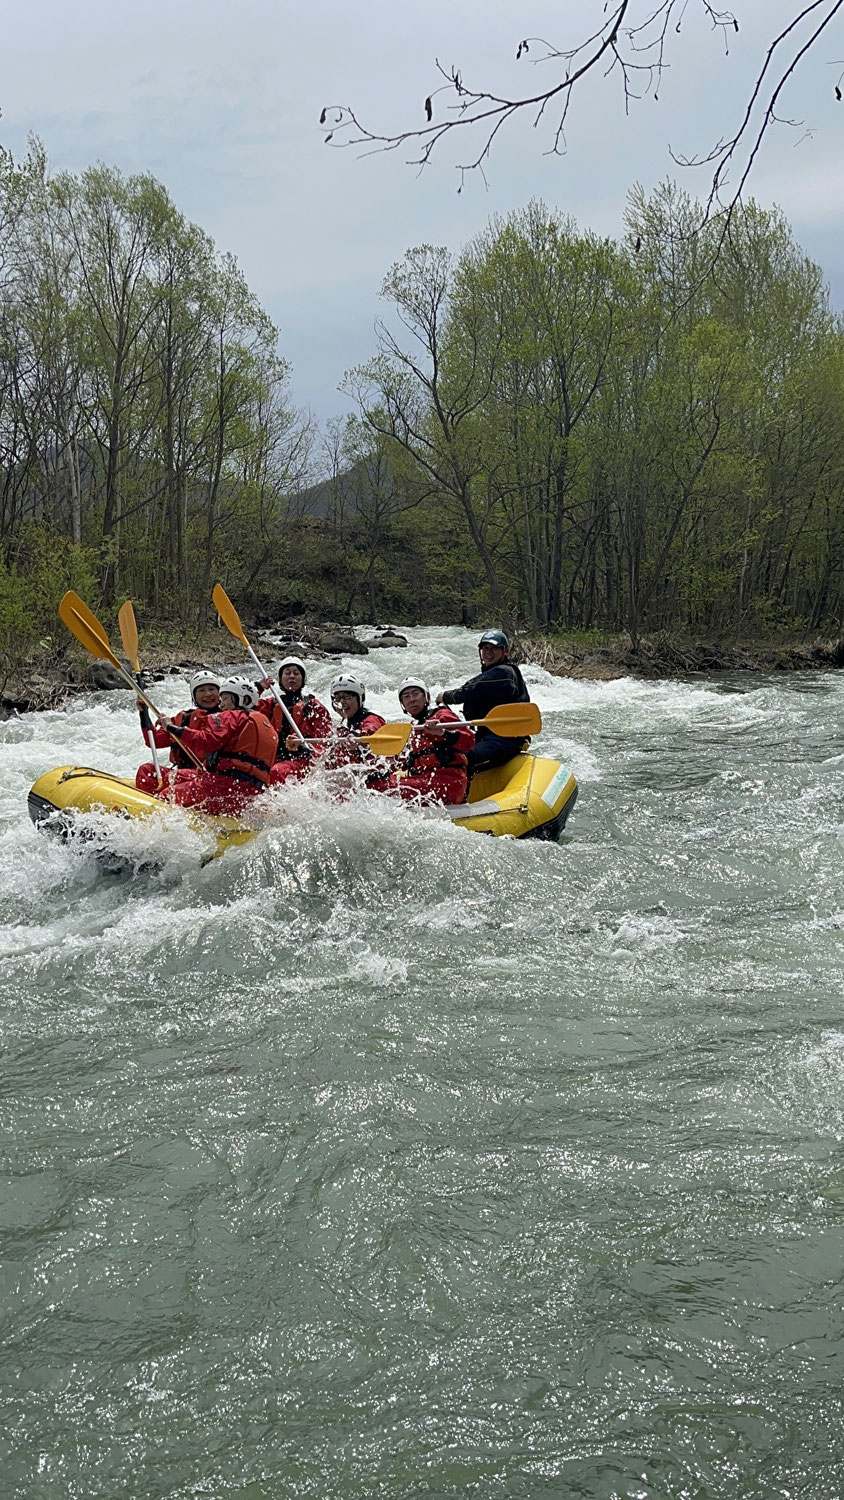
{"type": "Point", "coordinates": [606, 658]}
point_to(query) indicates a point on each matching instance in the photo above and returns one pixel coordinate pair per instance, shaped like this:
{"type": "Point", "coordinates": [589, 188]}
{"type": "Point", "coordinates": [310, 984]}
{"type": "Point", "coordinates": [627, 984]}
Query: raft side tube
{"type": "Point", "coordinates": [529, 796]}
{"type": "Point", "coordinates": [57, 796]}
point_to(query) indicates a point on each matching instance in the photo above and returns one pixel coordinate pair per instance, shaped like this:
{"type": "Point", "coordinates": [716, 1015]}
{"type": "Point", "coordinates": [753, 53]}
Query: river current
{"type": "Point", "coordinates": [380, 1159]}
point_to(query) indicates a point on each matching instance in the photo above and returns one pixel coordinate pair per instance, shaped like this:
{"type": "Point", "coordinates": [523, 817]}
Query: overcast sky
{"type": "Point", "coordinates": [221, 102]}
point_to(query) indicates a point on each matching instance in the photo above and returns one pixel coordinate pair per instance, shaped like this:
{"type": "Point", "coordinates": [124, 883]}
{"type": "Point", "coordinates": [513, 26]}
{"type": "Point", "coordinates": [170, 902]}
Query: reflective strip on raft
{"type": "Point", "coordinates": [555, 786]}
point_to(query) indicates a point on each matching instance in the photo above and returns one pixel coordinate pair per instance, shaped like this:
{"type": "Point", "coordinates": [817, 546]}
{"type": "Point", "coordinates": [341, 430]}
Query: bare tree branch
{"type": "Point", "coordinates": [630, 46]}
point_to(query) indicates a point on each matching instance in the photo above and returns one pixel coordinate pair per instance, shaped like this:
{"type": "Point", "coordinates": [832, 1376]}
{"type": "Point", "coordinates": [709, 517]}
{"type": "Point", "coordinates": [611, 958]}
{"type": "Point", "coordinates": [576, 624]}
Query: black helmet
{"type": "Point", "coordinates": [494, 638]}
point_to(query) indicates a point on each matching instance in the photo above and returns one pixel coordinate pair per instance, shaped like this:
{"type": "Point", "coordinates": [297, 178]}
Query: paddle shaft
{"type": "Point", "coordinates": [129, 636]}
{"type": "Point", "coordinates": [153, 750]}
{"type": "Point", "coordinates": [276, 694]}
{"type": "Point", "coordinates": [231, 619]}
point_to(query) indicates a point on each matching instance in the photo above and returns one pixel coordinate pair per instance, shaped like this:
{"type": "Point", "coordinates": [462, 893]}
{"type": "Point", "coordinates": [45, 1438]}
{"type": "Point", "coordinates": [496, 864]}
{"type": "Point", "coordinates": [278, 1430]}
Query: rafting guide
{"type": "Point", "coordinates": [498, 682]}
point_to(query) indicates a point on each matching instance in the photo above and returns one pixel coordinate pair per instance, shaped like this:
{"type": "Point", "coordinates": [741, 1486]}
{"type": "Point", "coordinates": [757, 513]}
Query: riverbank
{"type": "Point", "coordinates": [59, 674]}
{"type": "Point", "coordinates": [56, 677]}
{"type": "Point", "coordinates": [605, 659]}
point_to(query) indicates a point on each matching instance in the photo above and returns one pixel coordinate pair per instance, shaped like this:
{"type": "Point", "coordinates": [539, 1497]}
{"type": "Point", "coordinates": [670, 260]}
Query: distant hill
{"type": "Point", "coordinates": [322, 501]}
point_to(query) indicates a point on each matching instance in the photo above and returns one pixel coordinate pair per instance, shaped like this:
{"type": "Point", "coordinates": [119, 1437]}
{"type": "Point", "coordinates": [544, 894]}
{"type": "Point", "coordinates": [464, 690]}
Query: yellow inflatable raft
{"type": "Point", "coordinates": [527, 797]}
{"type": "Point", "coordinates": [58, 795]}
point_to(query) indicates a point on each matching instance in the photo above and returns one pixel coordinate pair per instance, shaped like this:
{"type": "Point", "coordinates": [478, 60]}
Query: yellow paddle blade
{"type": "Point", "coordinates": [76, 615]}
{"type": "Point", "coordinates": [72, 601]}
{"type": "Point", "coordinates": [228, 614]}
{"type": "Point", "coordinates": [93, 638]}
{"type": "Point", "coordinates": [129, 634]}
{"type": "Point", "coordinates": [390, 739]}
{"type": "Point", "coordinates": [512, 719]}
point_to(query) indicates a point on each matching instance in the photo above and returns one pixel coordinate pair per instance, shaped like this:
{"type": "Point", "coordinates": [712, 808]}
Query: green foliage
{"type": "Point", "coordinates": [142, 408]}
{"type": "Point", "coordinates": [37, 571]}
{"type": "Point", "coordinates": [642, 436]}
{"type": "Point", "coordinates": [561, 430]}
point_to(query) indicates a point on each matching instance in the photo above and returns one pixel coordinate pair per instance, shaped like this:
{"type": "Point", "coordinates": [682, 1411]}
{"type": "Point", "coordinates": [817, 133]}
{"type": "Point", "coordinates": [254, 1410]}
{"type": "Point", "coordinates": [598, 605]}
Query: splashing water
{"type": "Point", "coordinates": [380, 1159]}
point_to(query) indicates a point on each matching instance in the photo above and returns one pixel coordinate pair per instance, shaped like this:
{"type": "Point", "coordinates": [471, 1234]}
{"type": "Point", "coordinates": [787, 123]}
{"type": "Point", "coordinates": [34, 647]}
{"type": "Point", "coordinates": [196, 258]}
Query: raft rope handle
{"type": "Point", "coordinates": [80, 771]}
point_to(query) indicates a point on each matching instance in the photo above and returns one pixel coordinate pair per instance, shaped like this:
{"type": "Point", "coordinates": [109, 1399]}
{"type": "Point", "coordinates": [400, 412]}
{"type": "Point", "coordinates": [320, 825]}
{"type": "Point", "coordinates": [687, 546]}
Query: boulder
{"type": "Point", "coordinates": [304, 638]}
{"type": "Point", "coordinates": [389, 638]}
{"type": "Point", "coordinates": [303, 649]}
{"type": "Point", "coordinates": [336, 644]}
{"type": "Point", "coordinates": [102, 675]}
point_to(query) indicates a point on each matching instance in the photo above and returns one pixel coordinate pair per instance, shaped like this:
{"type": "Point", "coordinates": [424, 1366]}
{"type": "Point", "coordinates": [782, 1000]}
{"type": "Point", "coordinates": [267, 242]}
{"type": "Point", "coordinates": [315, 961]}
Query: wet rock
{"type": "Point", "coordinates": [307, 638]}
{"type": "Point", "coordinates": [387, 638]}
{"type": "Point", "coordinates": [102, 675]}
{"type": "Point", "coordinates": [9, 707]}
{"type": "Point", "coordinates": [297, 647]}
{"type": "Point", "coordinates": [337, 644]}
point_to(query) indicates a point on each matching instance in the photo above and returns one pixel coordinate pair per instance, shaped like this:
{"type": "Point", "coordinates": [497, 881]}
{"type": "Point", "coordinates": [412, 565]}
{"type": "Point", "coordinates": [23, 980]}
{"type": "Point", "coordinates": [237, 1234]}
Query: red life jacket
{"type": "Point", "coordinates": [188, 718]}
{"type": "Point", "coordinates": [361, 723]}
{"type": "Point", "coordinates": [423, 754]}
{"type": "Point", "coordinates": [252, 752]}
{"type": "Point", "coordinates": [346, 748]}
{"type": "Point", "coordinates": [310, 716]}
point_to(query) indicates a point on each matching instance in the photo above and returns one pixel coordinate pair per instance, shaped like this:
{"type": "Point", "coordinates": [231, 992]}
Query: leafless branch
{"type": "Point", "coordinates": [631, 46]}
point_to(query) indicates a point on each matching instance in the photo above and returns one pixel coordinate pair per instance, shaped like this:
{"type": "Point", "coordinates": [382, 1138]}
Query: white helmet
{"type": "Point", "coordinates": [347, 684]}
{"type": "Point", "coordinates": [242, 689]}
{"type": "Point", "coordinates": [415, 682]}
{"type": "Point", "coordinates": [293, 661]}
{"type": "Point", "coordinates": [203, 679]}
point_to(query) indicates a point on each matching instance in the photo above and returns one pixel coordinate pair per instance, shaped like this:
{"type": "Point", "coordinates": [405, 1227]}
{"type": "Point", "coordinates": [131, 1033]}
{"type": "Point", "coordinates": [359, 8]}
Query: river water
{"type": "Point", "coordinates": [379, 1159]}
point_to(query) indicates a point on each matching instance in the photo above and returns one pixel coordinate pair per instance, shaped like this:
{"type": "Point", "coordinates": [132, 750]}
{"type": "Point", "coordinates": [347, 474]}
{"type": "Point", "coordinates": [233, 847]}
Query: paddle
{"type": "Point", "coordinates": [231, 619]}
{"type": "Point", "coordinates": [129, 637]}
{"type": "Point", "coordinates": [75, 614]}
{"type": "Point", "coordinates": [390, 739]}
{"type": "Point", "coordinates": [508, 719]}
{"type": "Point", "coordinates": [87, 615]}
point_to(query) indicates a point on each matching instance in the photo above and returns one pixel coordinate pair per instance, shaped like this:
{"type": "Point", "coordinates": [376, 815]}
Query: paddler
{"type": "Point", "coordinates": [348, 699]}
{"type": "Point", "coordinates": [434, 765]}
{"type": "Point", "coordinates": [238, 747]}
{"type": "Point", "coordinates": [295, 756]}
{"type": "Point", "coordinates": [205, 692]}
{"type": "Point", "coordinates": [499, 681]}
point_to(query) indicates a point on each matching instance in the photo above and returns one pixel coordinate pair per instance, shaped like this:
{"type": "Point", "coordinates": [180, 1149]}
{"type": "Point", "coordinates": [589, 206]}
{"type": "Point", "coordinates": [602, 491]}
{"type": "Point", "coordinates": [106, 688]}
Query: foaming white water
{"type": "Point", "coordinates": [372, 1096]}
{"type": "Point", "coordinates": [637, 741]}
{"type": "Point", "coordinates": [635, 937]}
